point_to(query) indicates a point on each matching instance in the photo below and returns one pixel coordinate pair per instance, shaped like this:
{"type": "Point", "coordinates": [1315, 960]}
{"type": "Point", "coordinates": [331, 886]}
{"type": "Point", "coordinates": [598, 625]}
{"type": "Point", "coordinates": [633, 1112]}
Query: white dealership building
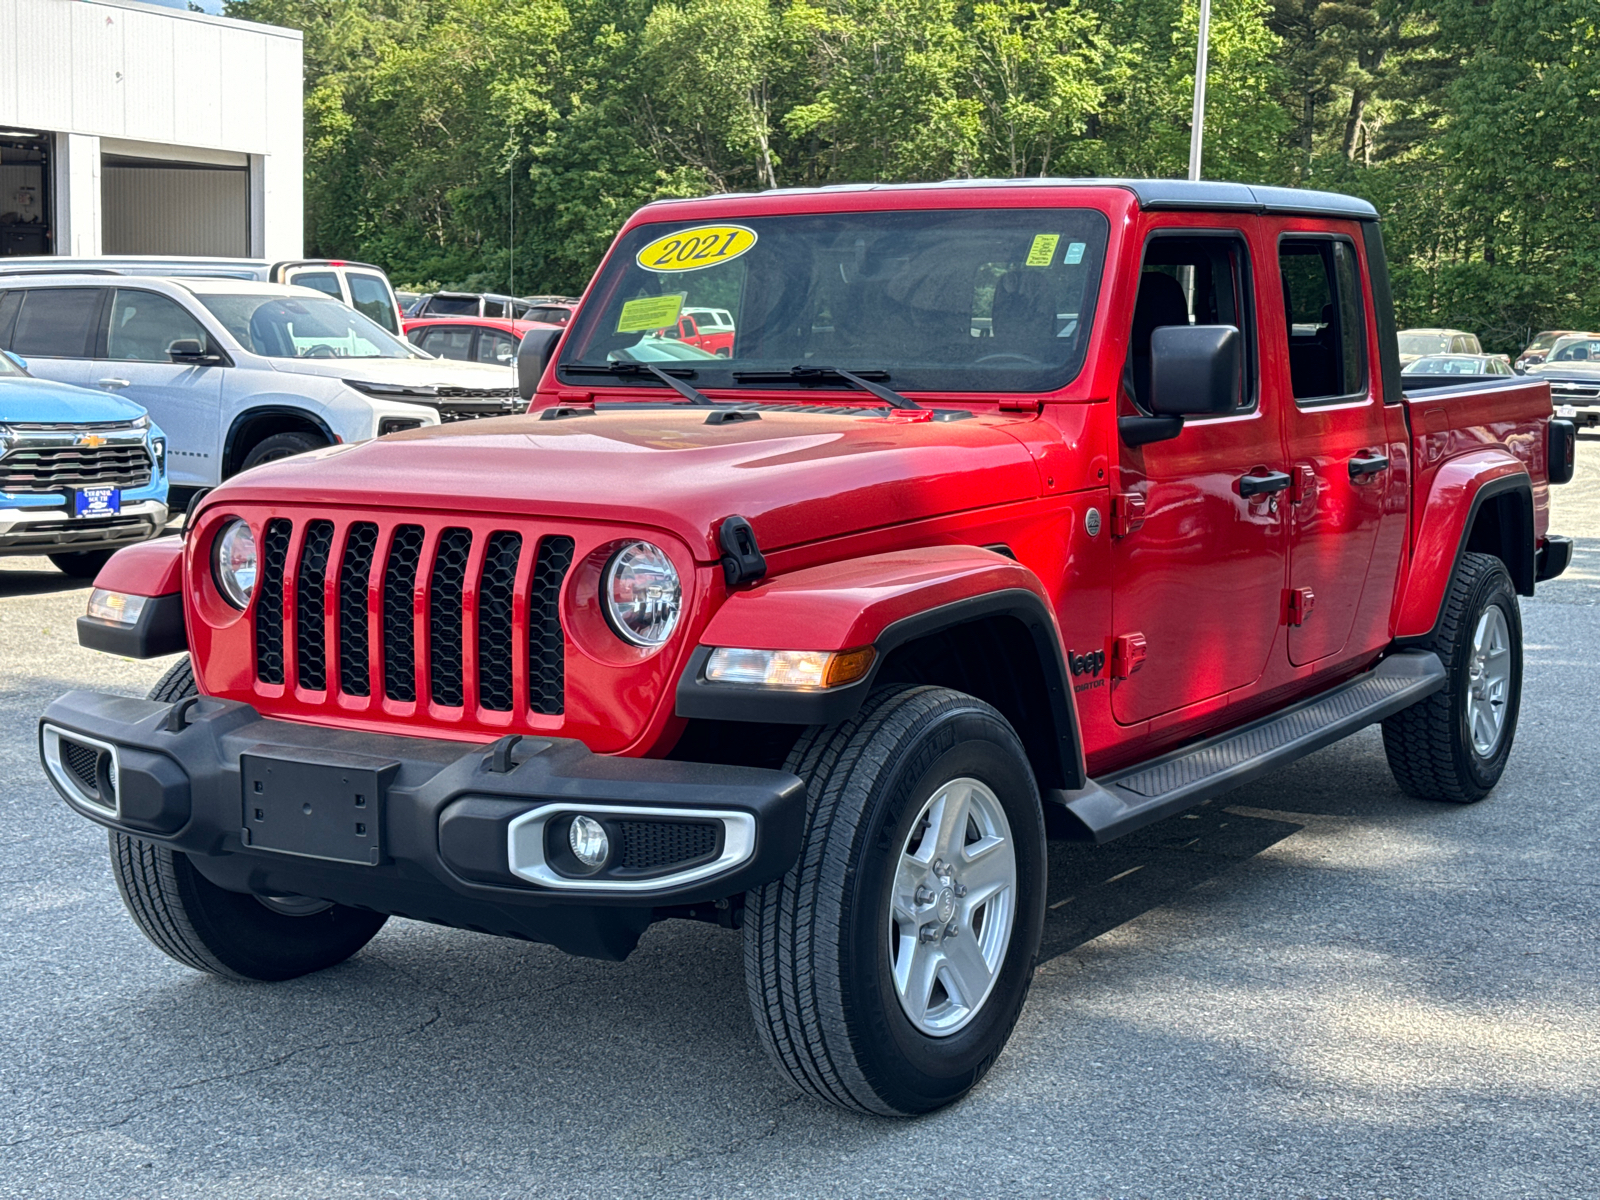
{"type": "Point", "coordinates": [129, 128]}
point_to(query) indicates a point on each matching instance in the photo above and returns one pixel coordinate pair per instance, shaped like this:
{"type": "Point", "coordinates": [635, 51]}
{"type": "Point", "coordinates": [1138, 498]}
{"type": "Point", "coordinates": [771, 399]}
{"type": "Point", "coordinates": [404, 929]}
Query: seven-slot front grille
{"type": "Point", "coordinates": [29, 469]}
{"type": "Point", "coordinates": [363, 582]}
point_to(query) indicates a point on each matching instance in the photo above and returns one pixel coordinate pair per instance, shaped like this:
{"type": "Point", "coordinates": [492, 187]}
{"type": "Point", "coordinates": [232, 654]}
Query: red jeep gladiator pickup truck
{"type": "Point", "coordinates": [1019, 509]}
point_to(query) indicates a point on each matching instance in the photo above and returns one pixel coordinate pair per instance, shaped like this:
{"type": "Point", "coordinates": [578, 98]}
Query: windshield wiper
{"type": "Point", "coordinates": [668, 377]}
{"type": "Point", "coordinates": [822, 374]}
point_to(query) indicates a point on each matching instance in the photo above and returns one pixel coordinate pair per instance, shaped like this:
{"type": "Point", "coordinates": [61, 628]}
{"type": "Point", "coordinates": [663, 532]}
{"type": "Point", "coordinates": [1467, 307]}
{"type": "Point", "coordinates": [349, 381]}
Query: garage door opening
{"type": "Point", "coordinates": [24, 194]}
{"type": "Point", "coordinates": [151, 206]}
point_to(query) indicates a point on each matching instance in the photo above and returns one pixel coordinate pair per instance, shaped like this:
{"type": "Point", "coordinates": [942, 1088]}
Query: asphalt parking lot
{"type": "Point", "coordinates": [1312, 987]}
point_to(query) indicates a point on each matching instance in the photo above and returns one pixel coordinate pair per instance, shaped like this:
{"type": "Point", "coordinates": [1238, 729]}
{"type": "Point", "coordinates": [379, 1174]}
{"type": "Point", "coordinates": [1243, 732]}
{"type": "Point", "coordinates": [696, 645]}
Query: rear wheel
{"type": "Point", "coordinates": [888, 968]}
{"type": "Point", "coordinates": [1454, 744]}
{"type": "Point", "coordinates": [232, 934]}
{"type": "Point", "coordinates": [84, 564]}
{"type": "Point", "coordinates": [280, 445]}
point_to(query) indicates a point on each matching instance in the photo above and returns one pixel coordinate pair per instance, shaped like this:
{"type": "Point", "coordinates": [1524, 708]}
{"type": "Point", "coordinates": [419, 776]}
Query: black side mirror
{"type": "Point", "coordinates": [189, 350]}
{"type": "Point", "coordinates": [1195, 370]}
{"type": "Point", "coordinates": [533, 356]}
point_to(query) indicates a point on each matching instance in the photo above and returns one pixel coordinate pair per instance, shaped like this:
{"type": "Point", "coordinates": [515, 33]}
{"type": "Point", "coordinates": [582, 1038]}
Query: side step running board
{"type": "Point", "coordinates": [1135, 796]}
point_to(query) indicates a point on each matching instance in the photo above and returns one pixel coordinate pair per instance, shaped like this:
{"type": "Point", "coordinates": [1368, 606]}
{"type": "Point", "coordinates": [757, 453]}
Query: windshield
{"type": "Point", "coordinates": [1446, 366]}
{"type": "Point", "coordinates": [997, 300]}
{"type": "Point", "coordinates": [1578, 350]}
{"type": "Point", "coordinates": [1424, 343]}
{"type": "Point", "coordinates": [303, 327]}
{"type": "Point", "coordinates": [1543, 342]}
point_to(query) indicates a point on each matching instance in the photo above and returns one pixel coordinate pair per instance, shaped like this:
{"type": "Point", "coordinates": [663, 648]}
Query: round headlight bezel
{"type": "Point", "coordinates": [225, 580]}
{"type": "Point", "coordinates": [656, 632]}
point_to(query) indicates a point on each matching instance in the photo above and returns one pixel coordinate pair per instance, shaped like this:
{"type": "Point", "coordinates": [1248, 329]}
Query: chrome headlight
{"type": "Point", "coordinates": [643, 596]}
{"type": "Point", "coordinates": [233, 562]}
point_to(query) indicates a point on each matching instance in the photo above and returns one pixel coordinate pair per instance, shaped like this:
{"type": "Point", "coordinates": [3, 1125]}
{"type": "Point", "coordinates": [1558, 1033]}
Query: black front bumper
{"type": "Point", "coordinates": [420, 827]}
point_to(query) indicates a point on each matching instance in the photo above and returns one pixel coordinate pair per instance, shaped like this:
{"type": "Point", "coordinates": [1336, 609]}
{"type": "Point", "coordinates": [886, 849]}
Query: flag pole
{"type": "Point", "coordinates": [1198, 123]}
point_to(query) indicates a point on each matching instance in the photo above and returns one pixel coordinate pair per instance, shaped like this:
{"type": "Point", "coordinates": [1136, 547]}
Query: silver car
{"type": "Point", "coordinates": [239, 372]}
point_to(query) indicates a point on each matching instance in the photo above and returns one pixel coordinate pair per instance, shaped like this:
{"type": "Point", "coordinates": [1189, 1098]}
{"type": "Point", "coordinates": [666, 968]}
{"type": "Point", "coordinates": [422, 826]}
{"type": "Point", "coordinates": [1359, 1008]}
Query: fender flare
{"type": "Point", "coordinates": [1464, 485]}
{"type": "Point", "coordinates": [885, 601]}
{"type": "Point", "coordinates": [283, 410]}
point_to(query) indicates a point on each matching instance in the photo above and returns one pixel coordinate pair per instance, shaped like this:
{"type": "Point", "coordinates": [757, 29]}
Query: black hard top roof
{"type": "Point", "coordinates": [1152, 194]}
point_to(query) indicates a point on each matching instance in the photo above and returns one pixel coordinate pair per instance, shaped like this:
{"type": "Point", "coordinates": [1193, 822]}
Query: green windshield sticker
{"type": "Point", "coordinates": [1074, 253]}
{"type": "Point", "coordinates": [1043, 250]}
{"type": "Point", "coordinates": [650, 312]}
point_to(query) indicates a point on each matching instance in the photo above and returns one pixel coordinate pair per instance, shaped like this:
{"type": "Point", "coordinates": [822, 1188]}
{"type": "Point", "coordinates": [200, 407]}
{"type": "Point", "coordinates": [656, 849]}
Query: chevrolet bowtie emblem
{"type": "Point", "coordinates": [91, 440]}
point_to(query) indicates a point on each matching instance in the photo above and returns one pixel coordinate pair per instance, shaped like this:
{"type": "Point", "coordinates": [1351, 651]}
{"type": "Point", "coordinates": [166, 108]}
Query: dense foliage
{"type": "Point", "coordinates": [500, 143]}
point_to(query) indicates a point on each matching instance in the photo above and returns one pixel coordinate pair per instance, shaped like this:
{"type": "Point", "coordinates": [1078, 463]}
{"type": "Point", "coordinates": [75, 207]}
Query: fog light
{"type": "Point", "coordinates": [115, 606]}
{"type": "Point", "coordinates": [798, 669]}
{"type": "Point", "coordinates": [587, 839]}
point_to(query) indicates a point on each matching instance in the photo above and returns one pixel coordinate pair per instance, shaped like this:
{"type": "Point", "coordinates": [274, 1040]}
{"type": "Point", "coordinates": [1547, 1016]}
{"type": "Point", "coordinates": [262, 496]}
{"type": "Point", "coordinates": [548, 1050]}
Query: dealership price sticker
{"type": "Point", "coordinates": [1042, 250]}
{"type": "Point", "coordinates": [650, 312]}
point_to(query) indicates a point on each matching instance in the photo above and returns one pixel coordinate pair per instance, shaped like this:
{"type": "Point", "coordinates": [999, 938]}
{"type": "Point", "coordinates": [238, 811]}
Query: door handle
{"type": "Point", "coordinates": [1363, 465]}
{"type": "Point", "coordinates": [113, 384]}
{"type": "Point", "coordinates": [1261, 485]}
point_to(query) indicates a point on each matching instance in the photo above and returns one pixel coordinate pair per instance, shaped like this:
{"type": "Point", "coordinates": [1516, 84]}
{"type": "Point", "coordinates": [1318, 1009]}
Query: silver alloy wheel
{"type": "Point", "coordinates": [952, 907]}
{"type": "Point", "coordinates": [295, 906]}
{"type": "Point", "coordinates": [1488, 681]}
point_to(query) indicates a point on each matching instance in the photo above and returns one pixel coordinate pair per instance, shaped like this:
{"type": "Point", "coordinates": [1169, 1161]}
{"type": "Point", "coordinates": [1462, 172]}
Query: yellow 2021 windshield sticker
{"type": "Point", "coordinates": [649, 312]}
{"type": "Point", "coordinates": [692, 249]}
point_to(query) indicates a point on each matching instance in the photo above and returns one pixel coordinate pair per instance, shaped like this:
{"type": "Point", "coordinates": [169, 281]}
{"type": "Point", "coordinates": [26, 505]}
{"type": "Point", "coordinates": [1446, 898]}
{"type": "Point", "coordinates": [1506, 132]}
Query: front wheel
{"type": "Point", "coordinates": [280, 445]}
{"type": "Point", "coordinates": [888, 968]}
{"type": "Point", "coordinates": [211, 929]}
{"type": "Point", "coordinates": [1454, 744]}
{"type": "Point", "coordinates": [82, 564]}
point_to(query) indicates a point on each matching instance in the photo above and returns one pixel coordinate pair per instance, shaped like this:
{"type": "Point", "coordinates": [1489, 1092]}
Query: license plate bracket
{"type": "Point", "coordinates": [97, 502]}
{"type": "Point", "coordinates": [328, 807]}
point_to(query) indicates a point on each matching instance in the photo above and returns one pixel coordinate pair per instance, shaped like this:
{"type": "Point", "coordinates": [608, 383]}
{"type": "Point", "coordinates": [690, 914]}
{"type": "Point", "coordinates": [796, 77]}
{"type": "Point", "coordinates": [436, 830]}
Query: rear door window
{"type": "Point", "coordinates": [448, 343]}
{"type": "Point", "coordinates": [57, 322]}
{"type": "Point", "coordinates": [496, 346]}
{"type": "Point", "coordinates": [1325, 312]}
{"type": "Point", "coordinates": [325, 282]}
{"type": "Point", "coordinates": [9, 303]}
{"type": "Point", "coordinates": [144, 325]}
{"type": "Point", "coordinates": [369, 295]}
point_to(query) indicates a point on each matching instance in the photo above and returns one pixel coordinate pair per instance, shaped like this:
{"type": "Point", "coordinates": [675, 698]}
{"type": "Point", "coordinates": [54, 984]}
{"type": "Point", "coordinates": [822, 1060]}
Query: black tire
{"type": "Point", "coordinates": [817, 961]}
{"type": "Point", "coordinates": [84, 564]}
{"type": "Point", "coordinates": [225, 933]}
{"type": "Point", "coordinates": [177, 683]}
{"type": "Point", "coordinates": [1430, 745]}
{"type": "Point", "coordinates": [280, 445]}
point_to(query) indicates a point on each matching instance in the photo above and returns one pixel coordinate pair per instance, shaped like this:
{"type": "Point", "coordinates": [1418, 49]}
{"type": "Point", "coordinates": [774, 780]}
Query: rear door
{"type": "Point", "coordinates": [185, 399]}
{"type": "Point", "coordinates": [1336, 434]}
{"type": "Point", "coordinates": [448, 341]}
{"type": "Point", "coordinates": [55, 332]}
{"type": "Point", "coordinates": [1201, 579]}
{"type": "Point", "coordinates": [371, 295]}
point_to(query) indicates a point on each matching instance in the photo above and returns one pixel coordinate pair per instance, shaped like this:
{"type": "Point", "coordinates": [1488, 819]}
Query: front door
{"type": "Point", "coordinates": [183, 398]}
{"type": "Point", "coordinates": [1201, 579]}
{"type": "Point", "coordinates": [1336, 437]}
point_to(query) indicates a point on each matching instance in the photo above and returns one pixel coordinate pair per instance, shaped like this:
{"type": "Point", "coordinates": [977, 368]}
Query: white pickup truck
{"type": "Point", "coordinates": [238, 372]}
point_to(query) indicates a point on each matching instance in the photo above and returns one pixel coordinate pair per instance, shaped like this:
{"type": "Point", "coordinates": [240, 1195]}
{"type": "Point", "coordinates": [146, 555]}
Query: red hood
{"type": "Point", "coordinates": [798, 477]}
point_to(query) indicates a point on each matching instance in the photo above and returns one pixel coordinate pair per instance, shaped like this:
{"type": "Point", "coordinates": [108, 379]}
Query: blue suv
{"type": "Point", "coordinates": [81, 473]}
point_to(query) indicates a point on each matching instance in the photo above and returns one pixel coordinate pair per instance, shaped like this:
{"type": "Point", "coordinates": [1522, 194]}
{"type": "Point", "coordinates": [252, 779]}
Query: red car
{"type": "Point", "coordinates": [710, 338]}
{"type": "Point", "coordinates": [470, 339]}
{"type": "Point", "coordinates": [1020, 509]}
